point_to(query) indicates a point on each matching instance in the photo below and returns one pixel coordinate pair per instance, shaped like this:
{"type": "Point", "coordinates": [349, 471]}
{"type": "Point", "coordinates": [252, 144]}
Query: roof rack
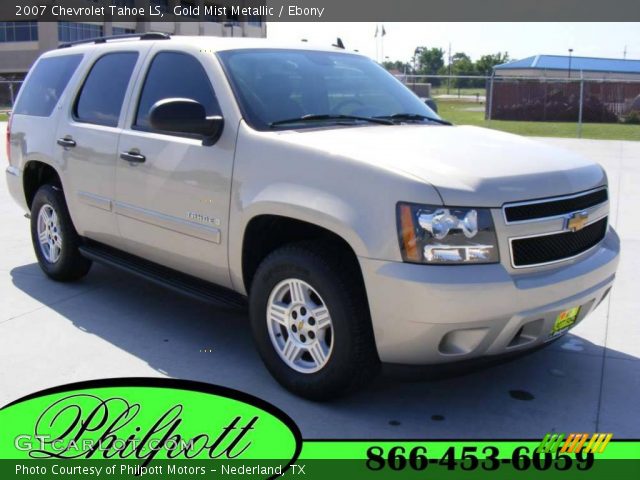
{"type": "Point", "coordinates": [141, 36]}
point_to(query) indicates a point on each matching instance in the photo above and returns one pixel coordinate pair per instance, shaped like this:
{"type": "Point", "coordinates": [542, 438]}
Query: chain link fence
{"type": "Point", "coordinates": [537, 99]}
{"type": "Point", "coordinates": [564, 100]}
{"type": "Point", "coordinates": [463, 87]}
{"type": "Point", "coordinates": [8, 93]}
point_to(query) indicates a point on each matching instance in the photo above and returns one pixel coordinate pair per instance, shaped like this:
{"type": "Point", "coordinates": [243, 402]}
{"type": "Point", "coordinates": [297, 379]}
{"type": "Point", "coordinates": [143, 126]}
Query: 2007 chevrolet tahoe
{"type": "Point", "coordinates": [359, 226]}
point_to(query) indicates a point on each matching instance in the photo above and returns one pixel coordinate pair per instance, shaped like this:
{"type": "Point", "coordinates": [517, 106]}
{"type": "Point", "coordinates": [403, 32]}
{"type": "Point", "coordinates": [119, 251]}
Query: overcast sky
{"type": "Point", "coordinates": [519, 39]}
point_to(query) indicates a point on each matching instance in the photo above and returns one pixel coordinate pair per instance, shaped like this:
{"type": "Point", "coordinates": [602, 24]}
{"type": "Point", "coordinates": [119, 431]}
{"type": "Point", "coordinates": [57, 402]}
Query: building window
{"type": "Point", "coordinates": [122, 31]}
{"type": "Point", "coordinates": [255, 20]}
{"type": "Point", "coordinates": [163, 5]}
{"type": "Point", "coordinates": [73, 31]}
{"type": "Point", "coordinates": [18, 32]}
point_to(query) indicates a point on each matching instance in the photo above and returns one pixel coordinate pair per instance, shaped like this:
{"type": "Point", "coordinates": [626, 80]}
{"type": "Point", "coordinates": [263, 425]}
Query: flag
{"type": "Point", "coordinates": [383, 31]}
{"type": "Point", "coordinates": [376, 35]}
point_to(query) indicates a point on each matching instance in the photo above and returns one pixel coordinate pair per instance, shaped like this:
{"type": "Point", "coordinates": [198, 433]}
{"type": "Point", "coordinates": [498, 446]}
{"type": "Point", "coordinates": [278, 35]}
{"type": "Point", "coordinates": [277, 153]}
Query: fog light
{"type": "Point", "coordinates": [457, 253]}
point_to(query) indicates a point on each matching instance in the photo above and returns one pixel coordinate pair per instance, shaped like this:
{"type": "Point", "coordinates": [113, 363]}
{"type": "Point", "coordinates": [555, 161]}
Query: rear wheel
{"type": "Point", "coordinates": [54, 238]}
{"type": "Point", "coordinates": [310, 321]}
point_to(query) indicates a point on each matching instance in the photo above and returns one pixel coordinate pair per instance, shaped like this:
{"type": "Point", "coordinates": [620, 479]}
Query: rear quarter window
{"type": "Point", "coordinates": [45, 85]}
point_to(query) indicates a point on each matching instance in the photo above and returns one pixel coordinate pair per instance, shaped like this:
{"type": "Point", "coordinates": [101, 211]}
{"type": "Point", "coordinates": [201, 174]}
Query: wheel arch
{"type": "Point", "coordinates": [35, 174]}
{"type": "Point", "coordinates": [265, 232]}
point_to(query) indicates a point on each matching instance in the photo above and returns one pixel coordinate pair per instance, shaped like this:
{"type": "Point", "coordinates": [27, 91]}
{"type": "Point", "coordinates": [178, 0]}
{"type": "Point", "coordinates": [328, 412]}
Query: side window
{"type": "Point", "coordinates": [102, 94]}
{"type": "Point", "coordinates": [45, 85]}
{"type": "Point", "coordinates": [175, 75]}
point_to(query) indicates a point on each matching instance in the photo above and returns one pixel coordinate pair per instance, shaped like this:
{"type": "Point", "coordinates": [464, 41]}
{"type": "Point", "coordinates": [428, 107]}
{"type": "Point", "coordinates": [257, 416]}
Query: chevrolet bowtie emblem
{"type": "Point", "coordinates": [576, 221]}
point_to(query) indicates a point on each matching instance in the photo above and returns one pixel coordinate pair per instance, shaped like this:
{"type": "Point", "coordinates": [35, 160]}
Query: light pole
{"type": "Point", "coordinates": [415, 59]}
{"type": "Point", "coordinates": [230, 24]}
{"type": "Point", "coordinates": [570, 52]}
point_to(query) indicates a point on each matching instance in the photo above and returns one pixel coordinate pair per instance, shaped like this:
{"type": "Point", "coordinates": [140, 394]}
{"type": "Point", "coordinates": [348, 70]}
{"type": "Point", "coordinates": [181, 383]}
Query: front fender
{"type": "Point", "coordinates": [301, 203]}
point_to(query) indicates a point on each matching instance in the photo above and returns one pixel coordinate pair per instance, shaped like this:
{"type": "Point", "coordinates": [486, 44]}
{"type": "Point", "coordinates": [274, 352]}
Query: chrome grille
{"type": "Point", "coordinates": [553, 207]}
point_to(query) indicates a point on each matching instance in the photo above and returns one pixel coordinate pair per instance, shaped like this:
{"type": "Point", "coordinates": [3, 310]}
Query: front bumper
{"type": "Point", "coordinates": [425, 314]}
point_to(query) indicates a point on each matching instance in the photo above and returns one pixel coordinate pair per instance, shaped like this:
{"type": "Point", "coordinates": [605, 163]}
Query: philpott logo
{"type": "Point", "coordinates": [146, 420]}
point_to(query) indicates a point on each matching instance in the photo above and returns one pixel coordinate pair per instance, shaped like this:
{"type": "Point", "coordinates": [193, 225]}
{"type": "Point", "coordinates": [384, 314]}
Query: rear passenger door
{"type": "Point", "coordinates": [172, 204]}
{"type": "Point", "coordinates": [87, 143]}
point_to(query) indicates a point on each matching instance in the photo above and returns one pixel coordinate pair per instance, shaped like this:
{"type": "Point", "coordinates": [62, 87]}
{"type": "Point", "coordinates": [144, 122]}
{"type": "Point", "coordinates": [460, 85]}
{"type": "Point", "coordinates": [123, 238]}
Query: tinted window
{"type": "Point", "coordinates": [102, 94]}
{"type": "Point", "coordinates": [274, 85]}
{"type": "Point", "coordinates": [45, 85]}
{"type": "Point", "coordinates": [175, 75]}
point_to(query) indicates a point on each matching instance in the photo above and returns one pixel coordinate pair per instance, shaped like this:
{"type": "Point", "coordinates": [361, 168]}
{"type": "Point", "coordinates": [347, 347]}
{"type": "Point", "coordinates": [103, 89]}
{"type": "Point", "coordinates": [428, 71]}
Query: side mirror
{"type": "Point", "coordinates": [431, 103]}
{"type": "Point", "coordinates": [184, 115]}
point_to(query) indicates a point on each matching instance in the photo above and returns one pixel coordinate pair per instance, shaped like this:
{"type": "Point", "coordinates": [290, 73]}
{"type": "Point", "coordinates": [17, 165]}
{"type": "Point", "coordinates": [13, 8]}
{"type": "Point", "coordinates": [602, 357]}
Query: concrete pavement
{"type": "Point", "coordinates": [115, 325]}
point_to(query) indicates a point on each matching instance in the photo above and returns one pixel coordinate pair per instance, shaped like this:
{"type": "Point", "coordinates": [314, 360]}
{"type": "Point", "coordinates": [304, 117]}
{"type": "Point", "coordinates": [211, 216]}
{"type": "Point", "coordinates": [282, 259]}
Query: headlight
{"type": "Point", "coordinates": [443, 235]}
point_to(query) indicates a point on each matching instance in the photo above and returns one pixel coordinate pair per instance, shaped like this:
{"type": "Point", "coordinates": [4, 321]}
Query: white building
{"type": "Point", "coordinates": [22, 42]}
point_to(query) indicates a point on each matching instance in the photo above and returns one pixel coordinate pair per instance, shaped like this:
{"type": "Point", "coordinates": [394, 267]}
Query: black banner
{"type": "Point", "coordinates": [321, 10]}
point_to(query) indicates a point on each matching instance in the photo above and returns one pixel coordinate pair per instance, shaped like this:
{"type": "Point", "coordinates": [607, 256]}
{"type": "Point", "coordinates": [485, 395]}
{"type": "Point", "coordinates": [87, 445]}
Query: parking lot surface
{"type": "Point", "coordinates": [114, 325]}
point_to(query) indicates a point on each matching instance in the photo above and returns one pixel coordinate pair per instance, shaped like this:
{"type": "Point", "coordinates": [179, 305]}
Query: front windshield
{"type": "Point", "coordinates": [274, 85]}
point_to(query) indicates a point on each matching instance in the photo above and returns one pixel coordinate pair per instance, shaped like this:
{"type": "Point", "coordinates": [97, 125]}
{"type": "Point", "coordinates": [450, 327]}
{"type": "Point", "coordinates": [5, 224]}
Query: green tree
{"type": "Point", "coordinates": [429, 60]}
{"type": "Point", "coordinates": [398, 65]}
{"type": "Point", "coordinates": [485, 64]}
{"type": "Point", "coordinates": [461, 64]}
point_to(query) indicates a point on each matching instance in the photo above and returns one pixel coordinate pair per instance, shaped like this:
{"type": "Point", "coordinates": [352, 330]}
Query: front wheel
{"type": "Point", "coordinates": [311, 322]}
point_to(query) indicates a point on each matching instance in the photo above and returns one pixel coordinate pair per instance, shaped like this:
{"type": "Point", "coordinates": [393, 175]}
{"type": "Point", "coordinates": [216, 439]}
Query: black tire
{"type": "Point", "coordinates": [336, 278]}
{"type": "Point", "coordinates": [70, 265]}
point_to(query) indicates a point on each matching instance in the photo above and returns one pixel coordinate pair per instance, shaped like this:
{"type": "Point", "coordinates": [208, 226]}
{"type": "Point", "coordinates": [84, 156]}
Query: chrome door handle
{"type": "Point", "coordinates": [132, 157]}
{"type": "Point", "coordinates": [66, 142]}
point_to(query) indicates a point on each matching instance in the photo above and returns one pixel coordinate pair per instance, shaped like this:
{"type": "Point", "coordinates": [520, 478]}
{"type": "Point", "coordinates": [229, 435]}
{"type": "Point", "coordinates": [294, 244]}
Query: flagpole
{"type": "Point", "coordinates": [376, 40]}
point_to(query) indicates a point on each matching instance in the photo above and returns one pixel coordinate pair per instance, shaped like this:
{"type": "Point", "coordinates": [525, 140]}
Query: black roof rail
{"type": "Point", "coordinates": [141, 36]}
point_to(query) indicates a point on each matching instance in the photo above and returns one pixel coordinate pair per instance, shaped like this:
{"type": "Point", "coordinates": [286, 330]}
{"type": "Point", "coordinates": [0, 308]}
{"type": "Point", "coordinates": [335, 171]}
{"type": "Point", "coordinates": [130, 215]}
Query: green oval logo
{"type": "Point", "coordinates": [148, 420]}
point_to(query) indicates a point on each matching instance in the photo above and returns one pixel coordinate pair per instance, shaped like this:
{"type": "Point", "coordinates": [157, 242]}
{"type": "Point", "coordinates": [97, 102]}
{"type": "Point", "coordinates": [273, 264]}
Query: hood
{"type": "Point", "coordinates": [469, 166]}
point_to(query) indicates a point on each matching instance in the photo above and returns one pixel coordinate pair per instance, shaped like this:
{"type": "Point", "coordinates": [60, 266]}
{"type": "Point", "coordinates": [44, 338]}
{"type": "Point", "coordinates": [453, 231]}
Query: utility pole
{"type": "Point", "coordinates": [449, 78]}
{"type": "Point", "coordinates": [415, 67]}
{"type": "Point", "coordinates": [624, 53]}
{"type": "Point", "coordinates": [570, 52]}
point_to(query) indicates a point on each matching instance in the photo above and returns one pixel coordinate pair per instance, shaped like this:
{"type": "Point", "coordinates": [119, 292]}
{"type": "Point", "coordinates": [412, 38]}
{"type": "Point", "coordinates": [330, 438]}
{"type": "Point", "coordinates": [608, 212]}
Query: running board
{"type": "Point", "coordinates": [163, 276]}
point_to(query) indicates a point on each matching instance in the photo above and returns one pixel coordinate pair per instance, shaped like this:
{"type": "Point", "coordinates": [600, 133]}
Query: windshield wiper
{"type": "Point", "coordinates": [325, 116]}
{"type": "Point", "coordinates": [413, 116]}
